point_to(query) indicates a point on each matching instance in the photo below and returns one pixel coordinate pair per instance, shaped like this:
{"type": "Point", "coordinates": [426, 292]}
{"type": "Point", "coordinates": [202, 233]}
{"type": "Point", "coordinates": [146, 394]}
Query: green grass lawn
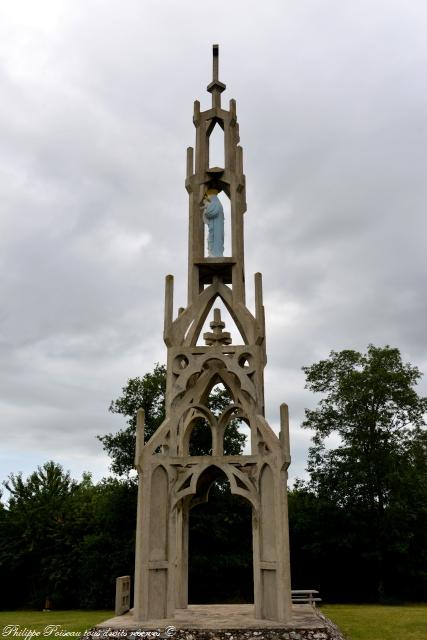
{"type": "Point", "coordinates": [376, 622]}
{"type": "Point", "coordinates": [357, 622]}
{"type": "Point", "coordinates": [39, 620]}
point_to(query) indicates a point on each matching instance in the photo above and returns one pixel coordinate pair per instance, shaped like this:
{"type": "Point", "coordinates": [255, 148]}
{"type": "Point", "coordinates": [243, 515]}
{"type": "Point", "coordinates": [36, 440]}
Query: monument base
{"type": "Point", "coordinates": [220, 622]}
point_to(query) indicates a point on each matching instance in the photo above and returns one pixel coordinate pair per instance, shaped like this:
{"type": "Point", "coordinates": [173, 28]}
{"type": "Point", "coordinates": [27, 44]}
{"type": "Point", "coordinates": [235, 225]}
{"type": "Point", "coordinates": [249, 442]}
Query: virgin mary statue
{"type": "Point", "coordinates": [213, 217]}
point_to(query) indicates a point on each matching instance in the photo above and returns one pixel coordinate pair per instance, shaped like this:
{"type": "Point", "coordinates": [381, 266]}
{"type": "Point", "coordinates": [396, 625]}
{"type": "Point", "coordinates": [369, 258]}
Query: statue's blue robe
{"type": "Point", "coordinates": [214, 218]}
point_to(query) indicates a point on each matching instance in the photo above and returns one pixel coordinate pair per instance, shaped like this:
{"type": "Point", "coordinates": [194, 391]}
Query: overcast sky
{"type": "Point", "coordinates": [96, 101]}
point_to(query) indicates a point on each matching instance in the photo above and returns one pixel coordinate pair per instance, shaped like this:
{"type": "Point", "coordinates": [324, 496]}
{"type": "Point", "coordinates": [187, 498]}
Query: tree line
{"type": "Point", "coordinates": [357, 524]}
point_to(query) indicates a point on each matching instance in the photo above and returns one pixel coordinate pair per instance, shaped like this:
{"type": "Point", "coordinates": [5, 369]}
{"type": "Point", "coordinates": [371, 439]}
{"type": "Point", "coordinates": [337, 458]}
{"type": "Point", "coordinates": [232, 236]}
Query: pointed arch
{"type": "Point", "coordinates": [226, 371]}
{"type": "Point", "coordinates": [192, 417]}
{"type": "Point", "coordinates": [267, 514]}
{"type": "Point", "coordinates": [230, 412]}
{"type": "Point", "coordinates": [198, 438]}
{"type": "Point", "coordinates": [187, 326]}
{"type": "Point", "coordinates": [207, 505]}
{"type": "Point", "coordinates": [195, 484]}
{"type": "Point", "coordinates": [232, 383]}
{"type": "Point", "coordinates": [220, 312]}
{"type": "Point", "coordinates": [218, 290]}
{"type": "Point", "coordinates": [216, 144]}
{"type": "Point", "coordinates": [233, 412]}
{"type": "Point", "coordinates": [240, 386]}
{"type": "Point", "coordinates": [217, 378]}
{"type": "Point", "coordinates": [159, 514]}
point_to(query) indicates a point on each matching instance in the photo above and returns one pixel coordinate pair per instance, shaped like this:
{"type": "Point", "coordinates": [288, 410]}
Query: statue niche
{"type": "Point", "coordinates": [213, 217]}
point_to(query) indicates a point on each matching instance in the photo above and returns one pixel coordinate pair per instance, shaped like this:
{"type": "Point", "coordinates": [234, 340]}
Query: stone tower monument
{"type": "Point", "coordinates": [171, 481]}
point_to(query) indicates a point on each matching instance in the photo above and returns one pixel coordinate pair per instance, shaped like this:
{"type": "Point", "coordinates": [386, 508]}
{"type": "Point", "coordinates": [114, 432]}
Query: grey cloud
{"type": "Point", "coordinates": [95, 117]}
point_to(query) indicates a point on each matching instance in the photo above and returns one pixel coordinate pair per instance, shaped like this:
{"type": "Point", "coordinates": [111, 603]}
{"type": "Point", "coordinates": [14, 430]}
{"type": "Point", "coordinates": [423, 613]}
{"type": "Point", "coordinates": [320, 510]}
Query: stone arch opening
{"type": "Point", "coordinates": [210, 295]}
{"type": "Point", "coordinates": [230, 323]}
{"type": "Point", "coordinates": [216, 147]}
{"type": "Point", "coordinates": [199, 438]}
{"type": "Point", "coordinates": [219, 397]}
{"type": "Point", "coordinates": [233, 428]}
{"type": "Point", "coordinates": [220, 543]}
{"type": "Point", "coordinates": [236, 430]}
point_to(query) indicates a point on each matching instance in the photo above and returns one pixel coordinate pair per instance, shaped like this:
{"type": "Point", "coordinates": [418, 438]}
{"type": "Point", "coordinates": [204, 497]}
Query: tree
{"type": "Point", "coordinates": [65, 540]}
{"type": "Point", "coordinates": [148, 393]}
{"type": "Point", "coordinates": [377, 474]}
{"type": "Point", "coordinates": [105, 548]}
{"type": "Point", "coordinates": [34, 542]}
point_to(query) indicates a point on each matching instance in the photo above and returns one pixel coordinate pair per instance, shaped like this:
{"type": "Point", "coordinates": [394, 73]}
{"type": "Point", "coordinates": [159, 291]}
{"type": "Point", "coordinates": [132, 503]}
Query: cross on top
{"type": "Point", "coordinates": [215, 87]}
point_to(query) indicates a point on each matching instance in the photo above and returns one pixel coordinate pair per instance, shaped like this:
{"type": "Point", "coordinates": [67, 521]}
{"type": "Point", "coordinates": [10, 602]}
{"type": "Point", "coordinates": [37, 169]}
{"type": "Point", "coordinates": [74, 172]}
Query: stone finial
{"type": "Point", "coordinates": [215, 61]}
{"type": "Point", "coordinates": [215, 87]}
{"type": "Point", "coordinates": [217, 337]}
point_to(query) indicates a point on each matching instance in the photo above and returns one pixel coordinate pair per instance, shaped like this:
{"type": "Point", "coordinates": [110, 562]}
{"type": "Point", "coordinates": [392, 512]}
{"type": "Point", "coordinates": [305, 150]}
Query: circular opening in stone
{"type": "Point", "coordinates": [245, 360]}
{"type": "Point", "coordinates": [181, 362]}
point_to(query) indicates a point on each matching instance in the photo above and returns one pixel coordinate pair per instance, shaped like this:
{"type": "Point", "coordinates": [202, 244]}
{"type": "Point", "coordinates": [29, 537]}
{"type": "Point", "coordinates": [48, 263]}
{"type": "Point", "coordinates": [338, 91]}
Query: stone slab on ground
{"type": "Point", "coordinates": [220, 622]}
